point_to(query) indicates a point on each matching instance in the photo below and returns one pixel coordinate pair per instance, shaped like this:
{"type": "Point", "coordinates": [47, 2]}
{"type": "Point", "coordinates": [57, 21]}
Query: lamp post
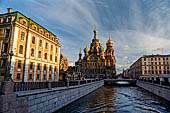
{"type": "Point", "coordinates": [8, 75]}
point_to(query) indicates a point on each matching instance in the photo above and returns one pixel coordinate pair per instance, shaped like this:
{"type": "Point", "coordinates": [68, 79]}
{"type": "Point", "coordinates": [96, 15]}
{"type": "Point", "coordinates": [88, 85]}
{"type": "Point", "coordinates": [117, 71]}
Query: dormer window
{"type": "Point", "coordinates": [41, 31]}
{"type": "Point", "coordinates": [9, 19]}
{"type": "Point", "coordinates": [23, 21]}
{"type": "Point", "coordinates": [47, 34]}
{"type": "Point", "coordinates": [1, 20]}
{"type": "Point", "coordinates": [35, 28]}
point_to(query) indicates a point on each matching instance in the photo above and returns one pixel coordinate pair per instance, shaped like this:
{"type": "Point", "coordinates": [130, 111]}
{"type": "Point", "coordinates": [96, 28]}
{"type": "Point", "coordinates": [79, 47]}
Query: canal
{"type": "Point", "coordinates": [110, 99]}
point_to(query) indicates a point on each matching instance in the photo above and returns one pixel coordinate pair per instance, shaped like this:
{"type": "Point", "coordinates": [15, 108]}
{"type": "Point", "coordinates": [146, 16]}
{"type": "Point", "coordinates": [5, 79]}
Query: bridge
{"type": "Point", "coordinates": [120, 82]}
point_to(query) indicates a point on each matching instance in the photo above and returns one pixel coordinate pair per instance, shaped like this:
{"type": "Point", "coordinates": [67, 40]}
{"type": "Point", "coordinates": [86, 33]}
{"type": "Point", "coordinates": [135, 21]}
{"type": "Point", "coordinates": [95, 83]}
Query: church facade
{"type": "Point", "coordinates": [97, 61]}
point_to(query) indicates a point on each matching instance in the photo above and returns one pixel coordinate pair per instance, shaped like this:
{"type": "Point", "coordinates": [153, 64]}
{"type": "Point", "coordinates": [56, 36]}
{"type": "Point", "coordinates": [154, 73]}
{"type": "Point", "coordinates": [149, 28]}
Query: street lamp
{"type": "Point", "coordinates": [8, 75]}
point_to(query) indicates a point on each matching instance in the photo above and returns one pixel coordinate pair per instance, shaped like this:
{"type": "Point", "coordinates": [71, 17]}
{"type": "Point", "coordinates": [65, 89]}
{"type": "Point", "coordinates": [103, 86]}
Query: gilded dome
{"type": "Point", "coordinates": [86, 50]}
{"type": "Point", "coordinates": [109, 41]}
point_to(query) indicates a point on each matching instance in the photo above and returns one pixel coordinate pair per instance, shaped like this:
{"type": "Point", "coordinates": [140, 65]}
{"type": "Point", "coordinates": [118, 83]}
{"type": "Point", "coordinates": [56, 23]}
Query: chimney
{"type": "Point", "coordinates": [10, 10]}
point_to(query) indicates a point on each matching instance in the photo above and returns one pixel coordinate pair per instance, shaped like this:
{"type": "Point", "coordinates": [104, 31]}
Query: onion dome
{"type": "Point", "coordinates": [86, 50]}
{"type": "Point", "coordinates": [101, 48]}
{"type": "Point", "coordinates": [109, 41]}
{"type": "Point", "coordinates": [80, 52]}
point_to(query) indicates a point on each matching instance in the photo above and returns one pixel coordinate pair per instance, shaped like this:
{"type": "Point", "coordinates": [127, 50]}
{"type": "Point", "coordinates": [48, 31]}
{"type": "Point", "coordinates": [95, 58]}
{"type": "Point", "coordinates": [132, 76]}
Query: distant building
{"type": "Point", "coordinates": [63, 67]}
{"type": "Point", "coordinates": [126, 73]}
{"type": "Point", "coordinates": [96, 60]}
{"type": "Point", "coordinates": [151, 65]}
{"type": "Point", "coordinates": [35, 50]}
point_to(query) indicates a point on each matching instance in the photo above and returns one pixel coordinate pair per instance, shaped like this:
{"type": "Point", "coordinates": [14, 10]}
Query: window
{"type": "Point", "coordinates": [55, 69]}
{"type": "Point", "coordinates": [155, 58]}
{"type": "Point", "coordinates": [38, 76]}
{"type": "Point", "coordinates": [51, 47]}
{"type": "Point", "coordinates": [44, 77]}
{"type": "Point", "coordinates": [155, 63]}
{"type": "Point", "coordinates": [30, 76]}
{"type": "Point", "coordinates": [44, 67]}
{"type": "Point", "coordinates": [56, 50]}
{"type": "Point", "coordinates": [7, 33]}
{"type": "Point", "coordinates": [159, 58]}
{"type": "Point", "coordinates": [22, 35]}
{"type": "Point", "coordinates": [144, 59]}
{"type": "Point", "coordinates": [32, 52]}
{"type": "Point", "coordinates": [50, 68]}
{"type": "Point", "coordinates": [9, 19]}
{"type": "Point", "coordinates": [160, 72]}
{"type": "Point", "coordinates": [55, 58]}
{"type": "Point", "coordinates": [31, 65]}
{"type": "Point", "coordinates": [5, 47]}
{"type": "Point", "coordinates": [45, 56]}
{"type": "Point", "coordinates": [38, 67]}
{"type": "Point", "coordinates": [39, 54]}
{"type": "Point", "coordinates": [51, 57]}
{"type": "Point", "coordinates": [24, 23]}
{"type": "Point", "coordinates": [159, 62]}
{"type": "Point", "coordinates": [46, 45]}
{"type": "Point", "coordinates": [160, 67]}
{"type": "Point", "coordinates": [18, 76]}
{"type": "Point", "coordinates": [49, 76]}
{"type": "Point", "coordinates": [151, 59]}
{"type": "Point", "coordinates": [166, 58]}
{"type": "Point", "coordinates": [21, 49]}
{"type": "Point", "coordinates": [163, 58]}
{"type": "Point", "coordinates": [40, 43]}
{"type": "Point", "coordinates": [19, 64]}
{"type": "Point", "coordinates": [33, 40]}
{"type": "Point", "coordinates": [167, 67]}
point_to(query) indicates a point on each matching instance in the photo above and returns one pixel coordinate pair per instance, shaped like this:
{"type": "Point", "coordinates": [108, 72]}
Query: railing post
{"type": "Point", "coordinates": [67, 83]}
{"type": "Point", "coordinates": [49, 85]}
{"type": "Point", "coordinates": [79, 82]}
{"type": "Point", "coordinates": [7, 87]}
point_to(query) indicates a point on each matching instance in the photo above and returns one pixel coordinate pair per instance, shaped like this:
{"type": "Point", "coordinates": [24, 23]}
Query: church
{"type": "Point", "coordinates": [97, 61]}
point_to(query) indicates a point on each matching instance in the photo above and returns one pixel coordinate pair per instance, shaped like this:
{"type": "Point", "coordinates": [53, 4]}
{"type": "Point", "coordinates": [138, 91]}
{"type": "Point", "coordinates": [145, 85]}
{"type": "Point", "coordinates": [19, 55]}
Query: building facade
{"type": "Point", "coordinates": [63, 68]}
{"type": "Point", "coordinates": [156, 65]}
{"type": "Point", "coordinates": [96, 60]}
{"type": "Point", "coordinates": [36, 51]}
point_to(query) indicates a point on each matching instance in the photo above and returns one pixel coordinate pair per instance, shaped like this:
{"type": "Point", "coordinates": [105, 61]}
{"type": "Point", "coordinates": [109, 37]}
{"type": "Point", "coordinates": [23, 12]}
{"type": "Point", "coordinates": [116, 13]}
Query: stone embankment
{"type": "Point", "coordinates": [42, 100]}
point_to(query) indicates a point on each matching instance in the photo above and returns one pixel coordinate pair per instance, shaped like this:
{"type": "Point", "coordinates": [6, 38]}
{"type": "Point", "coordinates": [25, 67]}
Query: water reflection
{"type": "Point", "coordinates": [118, 100]}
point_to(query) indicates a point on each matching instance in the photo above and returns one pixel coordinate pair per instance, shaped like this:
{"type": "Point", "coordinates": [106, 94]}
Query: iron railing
{"type": "Point", "coordinates": [26, 86]}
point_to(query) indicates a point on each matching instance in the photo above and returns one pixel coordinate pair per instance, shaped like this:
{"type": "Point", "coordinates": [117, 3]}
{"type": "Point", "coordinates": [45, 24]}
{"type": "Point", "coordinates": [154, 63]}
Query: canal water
{"type": "Point", "coordinates": [110, 99]}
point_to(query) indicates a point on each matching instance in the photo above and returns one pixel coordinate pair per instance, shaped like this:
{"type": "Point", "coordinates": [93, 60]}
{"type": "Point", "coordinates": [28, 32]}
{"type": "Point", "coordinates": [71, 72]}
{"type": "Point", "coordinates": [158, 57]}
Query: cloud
{"type": "Point", "coordinates": [137, 27]}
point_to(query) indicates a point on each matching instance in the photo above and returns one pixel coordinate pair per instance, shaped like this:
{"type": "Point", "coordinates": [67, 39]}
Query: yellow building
{"type": "Point", "coordinates": [36, 51]}
{"type": "Point", "coordinates": [96, 60]}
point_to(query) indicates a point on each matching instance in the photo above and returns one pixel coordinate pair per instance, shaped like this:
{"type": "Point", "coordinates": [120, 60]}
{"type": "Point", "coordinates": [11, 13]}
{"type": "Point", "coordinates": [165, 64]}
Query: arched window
{"type": "Point", "coordinates": [32, 52]}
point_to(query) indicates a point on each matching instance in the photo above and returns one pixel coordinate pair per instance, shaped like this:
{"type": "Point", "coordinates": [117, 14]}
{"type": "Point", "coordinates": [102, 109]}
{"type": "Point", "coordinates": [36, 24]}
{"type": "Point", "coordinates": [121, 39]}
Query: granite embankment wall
{"type": "Point", "coordinates": [159, 90]}
{"type": "Point", "coordinates": [43, 100]}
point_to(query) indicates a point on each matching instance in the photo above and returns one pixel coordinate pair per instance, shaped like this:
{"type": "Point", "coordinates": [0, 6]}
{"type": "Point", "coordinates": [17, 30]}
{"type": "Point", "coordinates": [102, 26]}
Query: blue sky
{"type": "Point", "coordinates": [137, 27]}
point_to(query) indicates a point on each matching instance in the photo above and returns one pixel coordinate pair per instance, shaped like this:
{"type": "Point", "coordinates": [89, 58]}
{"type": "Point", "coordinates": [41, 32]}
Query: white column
{"type": "Point", "coordinates": [42, 69]}
{"type": "Point", "coordinates": [35, 69]}
{"type": "Point", "coordinates": [48, 71]}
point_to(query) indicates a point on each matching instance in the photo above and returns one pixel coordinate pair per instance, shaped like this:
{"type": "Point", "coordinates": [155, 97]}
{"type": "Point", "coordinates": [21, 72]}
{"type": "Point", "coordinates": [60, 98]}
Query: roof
{"type": "Point", "coordinates": [19, 15]}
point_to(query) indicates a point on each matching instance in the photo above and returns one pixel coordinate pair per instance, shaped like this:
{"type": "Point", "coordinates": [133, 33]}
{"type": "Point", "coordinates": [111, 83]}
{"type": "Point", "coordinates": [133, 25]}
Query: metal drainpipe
{"type": "Point", "coordinates": [25, 50]}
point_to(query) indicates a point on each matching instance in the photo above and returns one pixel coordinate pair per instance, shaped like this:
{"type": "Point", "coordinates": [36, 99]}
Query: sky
{"type": "Point", "coordinates": [137, 27]}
